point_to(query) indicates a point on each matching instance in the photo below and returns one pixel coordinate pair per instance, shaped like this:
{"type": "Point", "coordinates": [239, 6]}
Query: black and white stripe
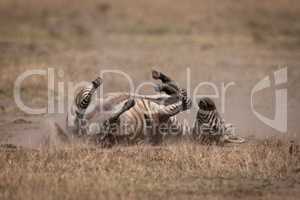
{"type": "Point", "coordinates": [149, 121]}
{"type": "Point", "coordinates": [209, 125]}
{"type": "Point", "coordinates": [84, 96]}
{"type": "Point", "coordinates": [136, 118]}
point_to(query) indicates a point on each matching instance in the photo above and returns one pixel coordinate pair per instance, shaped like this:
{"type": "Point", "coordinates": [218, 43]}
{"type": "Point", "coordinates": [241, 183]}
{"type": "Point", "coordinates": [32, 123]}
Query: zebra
{"type": "Point", "coordinates": [210, 127]}
{"type": "Point", "coordinates": [127, 118]}
{"type": "Point", "coordinates": [131, 118]}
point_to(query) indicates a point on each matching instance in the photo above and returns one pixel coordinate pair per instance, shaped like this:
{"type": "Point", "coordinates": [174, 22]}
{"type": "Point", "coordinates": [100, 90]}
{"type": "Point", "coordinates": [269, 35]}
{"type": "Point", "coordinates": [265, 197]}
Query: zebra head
{"type": "Point", "coordinates": [206, 104]}
{"type": "Point", "coordinates": [211, 127]}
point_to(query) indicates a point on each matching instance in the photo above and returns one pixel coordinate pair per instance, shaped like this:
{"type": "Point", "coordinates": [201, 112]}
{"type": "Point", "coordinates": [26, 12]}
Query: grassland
{"type": "Point", "coordinates": [264, 170]}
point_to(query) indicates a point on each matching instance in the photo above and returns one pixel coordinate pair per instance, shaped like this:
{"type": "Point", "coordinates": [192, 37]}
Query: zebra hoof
{"type": "Point", "coordinates": [155, 74]}
{"type": "Point", "coordinates": [97, 82]}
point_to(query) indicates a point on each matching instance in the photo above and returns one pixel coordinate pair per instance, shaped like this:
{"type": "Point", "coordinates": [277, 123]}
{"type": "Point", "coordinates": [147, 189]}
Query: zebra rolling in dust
{"type": "Point", "coordinates": [126, 118]}
{"type": "Point", "coordinates": [131, 119]}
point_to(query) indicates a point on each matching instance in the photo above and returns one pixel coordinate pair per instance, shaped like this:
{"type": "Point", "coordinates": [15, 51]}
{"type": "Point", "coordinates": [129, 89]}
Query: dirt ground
{"type": "Point", "coordinates": [194, 41]}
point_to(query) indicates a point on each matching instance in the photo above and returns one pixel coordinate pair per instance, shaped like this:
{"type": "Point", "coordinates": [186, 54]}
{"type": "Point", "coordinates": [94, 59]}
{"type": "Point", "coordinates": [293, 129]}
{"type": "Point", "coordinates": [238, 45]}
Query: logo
{"type": "Point", "coordinates": [280, 119]}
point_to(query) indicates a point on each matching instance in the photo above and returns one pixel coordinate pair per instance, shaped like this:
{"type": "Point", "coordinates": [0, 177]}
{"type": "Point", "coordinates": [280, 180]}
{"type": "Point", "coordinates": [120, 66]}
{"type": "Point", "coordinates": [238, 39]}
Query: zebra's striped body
{"type": "Point", "coordinates": [123, 119]}
{"type": "Point", "coordinates": [129, 118]}
{"type": "Point", "coordinates": [149, 121]}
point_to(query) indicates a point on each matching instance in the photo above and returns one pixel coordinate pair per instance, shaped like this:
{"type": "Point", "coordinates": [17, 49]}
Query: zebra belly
{"type": "Point", "coordinates": [136, 123]}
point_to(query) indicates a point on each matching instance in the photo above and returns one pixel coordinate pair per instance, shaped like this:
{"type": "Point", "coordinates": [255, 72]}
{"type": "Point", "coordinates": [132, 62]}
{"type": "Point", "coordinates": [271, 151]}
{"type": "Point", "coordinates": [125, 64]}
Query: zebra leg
{"type": "Point", "coordinates": [171, 88]}
{"type": "Point", "coordinates": [167, 88]}
{"type": "Point", "coordinates": [184, 103]}
{"type": "Point", "coordinates": [84, 97]}
{"type": "Point", "coordinates": [127, 105]}
{"type": "Point", "coordinates": [168, 85]}
{"type": "Point", "coordinates": [165, 112]}
{"type": "Point", "coordinates": [108, 138]}
{"type": "Point", "coordinates": [160, 76]}
{"type": "Point", "coordinates": [76, 116]}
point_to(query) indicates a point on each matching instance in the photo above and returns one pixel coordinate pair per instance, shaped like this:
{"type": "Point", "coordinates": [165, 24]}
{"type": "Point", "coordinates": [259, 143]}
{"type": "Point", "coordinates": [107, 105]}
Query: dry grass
{"type": "Point", "coordinates": [184, 170]}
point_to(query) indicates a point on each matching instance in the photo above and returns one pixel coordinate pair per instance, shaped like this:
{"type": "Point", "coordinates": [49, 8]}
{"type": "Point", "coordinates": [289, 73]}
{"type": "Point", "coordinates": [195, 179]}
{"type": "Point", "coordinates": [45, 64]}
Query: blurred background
{"type": "Point", "coordinates": [219, 41]}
